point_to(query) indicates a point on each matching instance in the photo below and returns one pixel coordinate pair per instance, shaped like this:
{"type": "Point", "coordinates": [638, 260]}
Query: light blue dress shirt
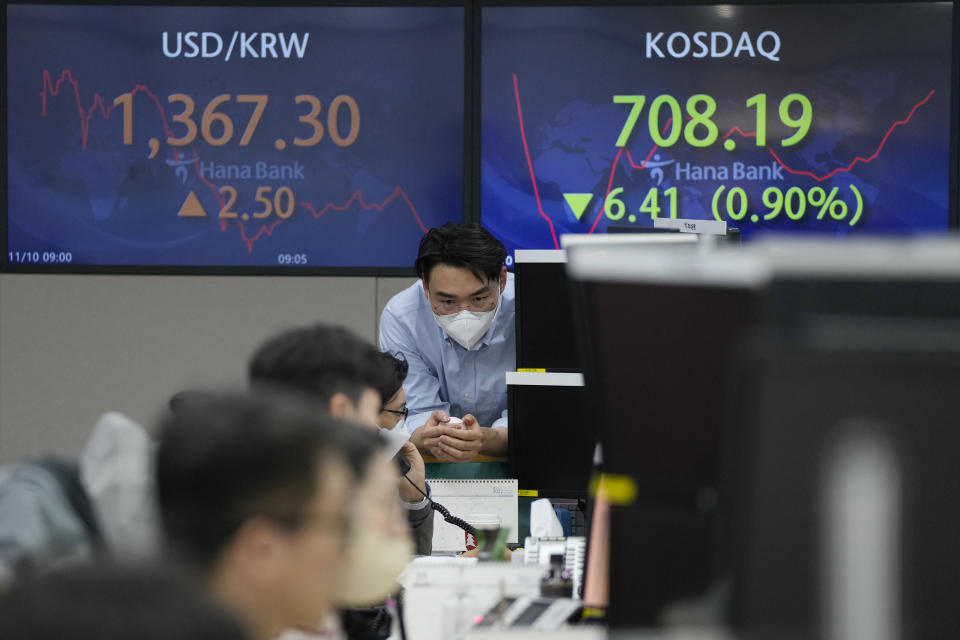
{"type": "Point", "coordinates": [444, 375]}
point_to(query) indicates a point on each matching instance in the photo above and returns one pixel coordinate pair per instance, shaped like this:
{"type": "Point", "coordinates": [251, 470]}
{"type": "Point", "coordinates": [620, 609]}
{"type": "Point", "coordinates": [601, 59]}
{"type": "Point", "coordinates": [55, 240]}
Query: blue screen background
{"type": "Point", "coordinates": [107, 203]}
{"type": "Point", "coordinates": [863, 67]}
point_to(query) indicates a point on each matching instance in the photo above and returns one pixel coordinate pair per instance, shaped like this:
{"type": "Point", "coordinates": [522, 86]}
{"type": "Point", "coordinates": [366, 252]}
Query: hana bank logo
{"type": "Point", "coordinates": [655, 165]}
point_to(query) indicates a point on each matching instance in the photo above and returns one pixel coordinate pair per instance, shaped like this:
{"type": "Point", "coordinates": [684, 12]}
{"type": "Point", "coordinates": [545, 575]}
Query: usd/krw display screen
{"type": "Point", "coordinates": [231, 136]}
{"type": "Point", "coordinates": [817, 118]}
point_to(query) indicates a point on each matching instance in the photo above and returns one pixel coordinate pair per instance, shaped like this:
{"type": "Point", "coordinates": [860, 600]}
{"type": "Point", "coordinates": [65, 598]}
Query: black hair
{"type": "Point", "coordinates": [358, 447]}
{"type": "Point", "coordinates": [230, 457]}
{"type": "Point", "coordinates": [186, 397]}
{"type": "Point", "coordinates": [113, 603]}
{"type": "Point", "coordinates": [321, 360]}
{"type": "Point", "coordinates": [466, 246]}
{"type": "Point", "coordinates": [398, 367]}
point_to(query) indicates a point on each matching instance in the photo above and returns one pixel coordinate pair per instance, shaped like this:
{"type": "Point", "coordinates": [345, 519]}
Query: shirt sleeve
{"type": "Point", "coordinates": [421, 526]}
{"type": "Point", "coordinates": [422, 385]}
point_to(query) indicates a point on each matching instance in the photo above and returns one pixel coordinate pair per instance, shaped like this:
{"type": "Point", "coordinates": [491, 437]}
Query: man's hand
{"type": "Point", "coordinates": [453, 444]}
{"type": "Point", "coordinates": [449, 443]}
{"type": "Point", "coordinates": [460, 443]}
{"type": "Point", "coordinates": [429, 430]}
{"type": "Point", "coordinates": [417, 474]}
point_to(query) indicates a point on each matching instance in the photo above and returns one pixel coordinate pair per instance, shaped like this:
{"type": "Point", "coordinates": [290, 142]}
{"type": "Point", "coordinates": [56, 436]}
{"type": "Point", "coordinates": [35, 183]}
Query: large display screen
{"type": "Point", "coordinates": [231, 136]}
{"type": "Point", "coordinates": [822, 117]}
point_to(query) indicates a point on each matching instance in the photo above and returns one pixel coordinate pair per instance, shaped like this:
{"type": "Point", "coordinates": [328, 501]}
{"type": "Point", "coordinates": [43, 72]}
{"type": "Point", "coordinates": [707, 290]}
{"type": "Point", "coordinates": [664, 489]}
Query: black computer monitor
{"type": "Point", "coordinates": [657, 339]}
{"type": "Point", "coordinates": [814, 279]}
{"type": "Point", "coordinates": [658, 336]}
{"type": "Point", "coordinates": [674, 540]}
{"type": "Point", "coordinates": [552, 437]}
{"type": "Point", "coordinates": [800, 397]}
{"type": "Point", "coordinates": [546, 338]}
{"type": "Point", "coordinates": [545, 330]}
{"type": "Point", "coordinates": [552, 432]}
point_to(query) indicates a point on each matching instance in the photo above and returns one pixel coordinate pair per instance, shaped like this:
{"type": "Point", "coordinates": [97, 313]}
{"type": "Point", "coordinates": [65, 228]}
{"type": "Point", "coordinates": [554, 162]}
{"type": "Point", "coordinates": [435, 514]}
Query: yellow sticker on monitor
{"type": "Point", "coordinates": [531, 370]}
{"type": "Point", "coordinates": [615, 489]}
{"type": "Point", "coordinates": [527, 493]}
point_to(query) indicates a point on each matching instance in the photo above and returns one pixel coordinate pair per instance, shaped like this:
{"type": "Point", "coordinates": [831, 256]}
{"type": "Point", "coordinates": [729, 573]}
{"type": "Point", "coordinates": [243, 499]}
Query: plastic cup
{"type": "Point", "coordinates": [487, 526]}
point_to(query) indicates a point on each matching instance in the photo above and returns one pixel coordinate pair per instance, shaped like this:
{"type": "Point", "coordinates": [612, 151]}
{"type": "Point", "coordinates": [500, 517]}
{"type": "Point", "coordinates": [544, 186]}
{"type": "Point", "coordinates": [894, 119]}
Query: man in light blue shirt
{"type": "Point", "coordinates": [455, 327]}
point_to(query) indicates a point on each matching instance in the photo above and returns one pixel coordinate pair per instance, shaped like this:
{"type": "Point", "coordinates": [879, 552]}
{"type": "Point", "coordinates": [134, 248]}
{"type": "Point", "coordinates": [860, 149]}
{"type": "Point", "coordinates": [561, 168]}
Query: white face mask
{"type": "Point", "coordinates": [396, 437]}
{"type": "Point", "coordinates": [374, 563]}
{"type": "Point", "coordinates": [467, 327]}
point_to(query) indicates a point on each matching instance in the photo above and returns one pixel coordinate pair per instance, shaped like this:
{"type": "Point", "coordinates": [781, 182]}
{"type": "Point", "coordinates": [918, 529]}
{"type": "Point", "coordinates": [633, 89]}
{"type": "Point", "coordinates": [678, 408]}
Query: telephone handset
{"type": "Point", "coordinates": [442, 510]}
{"type": "Point", "coordinates": [394, 441]}
{"type": "Point", "coordinates": [402, 464]}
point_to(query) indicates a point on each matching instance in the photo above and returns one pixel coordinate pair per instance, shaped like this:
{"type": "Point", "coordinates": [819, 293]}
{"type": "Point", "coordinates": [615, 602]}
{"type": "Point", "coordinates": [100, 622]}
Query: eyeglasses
{"type": "Point", "coordinates": [403, 412]}
{"type": "Point", "coordinates": [479, 303]}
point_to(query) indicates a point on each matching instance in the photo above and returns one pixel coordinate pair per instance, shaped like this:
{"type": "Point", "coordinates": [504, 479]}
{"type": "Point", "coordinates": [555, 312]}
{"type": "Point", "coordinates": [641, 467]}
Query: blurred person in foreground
{"type": "Point", "coordinates": [113, 603]}
{"type": "Point", "coordinates": [286, 514]}
{"type": "Point", "coordinates": [354, 382]}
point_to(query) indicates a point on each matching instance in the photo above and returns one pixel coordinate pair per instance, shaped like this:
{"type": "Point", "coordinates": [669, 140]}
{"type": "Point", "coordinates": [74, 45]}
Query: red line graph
{"type": "Point", "coordinates": [613, 169]}
{"type": "Point", "coordinates": [616, 162]}
{"type": "Point", "coordinates": [51, 88]}
{"type": "Point", "coordinates": [653, 149]}
{"type": "Point", "coordinates": [357, 197]}
{"type": "Point", "coordinates": [267, 229]}
{"type": "Point", "coordinates": [97, 106]}
{"type": "Point", "coordinates": [855, 161]}
{"type": "Point", "coordinates": [533, 179]}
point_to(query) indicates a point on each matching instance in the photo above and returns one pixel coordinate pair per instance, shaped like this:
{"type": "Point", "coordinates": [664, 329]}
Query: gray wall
{"type": "Point", "coordinates": [73, 346]}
